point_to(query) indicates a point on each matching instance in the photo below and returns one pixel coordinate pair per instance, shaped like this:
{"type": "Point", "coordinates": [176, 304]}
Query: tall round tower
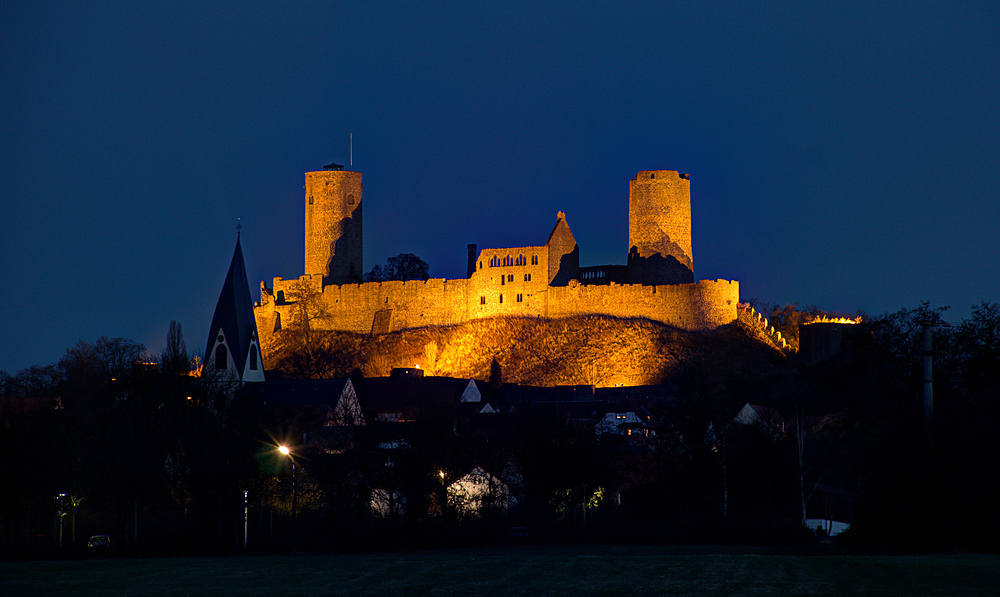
{"type": "Point", "coordinates": [659, 228]}
{"type": "Point", "coordinates": [333, 225]}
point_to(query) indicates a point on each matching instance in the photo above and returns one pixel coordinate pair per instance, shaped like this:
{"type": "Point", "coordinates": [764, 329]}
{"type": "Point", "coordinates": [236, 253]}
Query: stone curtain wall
{"type": "Point", "coordinates": [704, 305]}
{"type": "Point", "coordinates": [758, 325]}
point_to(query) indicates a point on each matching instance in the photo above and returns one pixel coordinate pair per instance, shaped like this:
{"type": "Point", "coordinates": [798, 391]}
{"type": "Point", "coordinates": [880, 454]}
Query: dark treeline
{"type": "Point", "coordinates": [171, 463]}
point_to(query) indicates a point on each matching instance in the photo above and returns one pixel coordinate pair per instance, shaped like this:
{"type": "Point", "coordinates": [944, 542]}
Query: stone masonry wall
{"type": "Point", "coordinates": [354, 307]}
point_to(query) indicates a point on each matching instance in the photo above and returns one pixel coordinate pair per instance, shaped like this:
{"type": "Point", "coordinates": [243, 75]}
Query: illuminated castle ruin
{"type": "Point", "coordinates": [539, 281]}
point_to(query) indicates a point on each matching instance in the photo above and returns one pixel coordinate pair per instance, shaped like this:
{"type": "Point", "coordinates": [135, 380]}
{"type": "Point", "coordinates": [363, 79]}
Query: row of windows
{"type": "Point", "coordinates": [510, 278]}
{"type": "Point", "coordinates": [508, 260]}
{"type": "Point", "coordinates": [519, 298]}
{"type": "Point", "coordinates": [222, 358]}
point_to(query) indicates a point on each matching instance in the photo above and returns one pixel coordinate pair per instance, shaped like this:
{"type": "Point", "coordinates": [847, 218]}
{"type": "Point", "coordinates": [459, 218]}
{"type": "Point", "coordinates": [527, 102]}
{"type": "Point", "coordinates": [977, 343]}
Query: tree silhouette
{"type": "Point", "coordinates": [405, 266]}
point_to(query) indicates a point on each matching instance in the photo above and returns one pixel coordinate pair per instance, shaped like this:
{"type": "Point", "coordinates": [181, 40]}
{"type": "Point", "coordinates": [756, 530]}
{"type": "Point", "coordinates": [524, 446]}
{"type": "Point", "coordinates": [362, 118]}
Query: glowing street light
{"type": "Point", "coordinates": [285, 451]}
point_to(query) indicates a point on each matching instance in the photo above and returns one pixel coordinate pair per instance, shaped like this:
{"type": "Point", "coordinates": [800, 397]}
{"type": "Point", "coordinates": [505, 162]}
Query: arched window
{"type": "Point", "coordinates": [501, 298]}
{"type": "Point", "coordinates": [350, 199]}
{"type": "Point", "coordinates": [221, 357]}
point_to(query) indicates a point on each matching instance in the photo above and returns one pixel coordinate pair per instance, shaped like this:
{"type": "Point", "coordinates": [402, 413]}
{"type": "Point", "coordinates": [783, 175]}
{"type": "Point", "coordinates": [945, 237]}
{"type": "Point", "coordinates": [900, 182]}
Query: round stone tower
{"type": "Point", "coordinates": [333, 225]}
{"type": "Point", "coordinates": [659, 228]}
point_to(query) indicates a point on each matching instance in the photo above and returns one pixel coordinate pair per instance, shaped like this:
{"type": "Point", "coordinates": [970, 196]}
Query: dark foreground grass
{"type": "Point", "coordinates": [575, 570]}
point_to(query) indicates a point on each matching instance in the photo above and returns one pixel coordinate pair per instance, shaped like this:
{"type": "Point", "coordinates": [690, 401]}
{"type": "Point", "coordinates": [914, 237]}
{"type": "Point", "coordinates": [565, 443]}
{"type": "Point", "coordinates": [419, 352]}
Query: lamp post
{"type": "Point", "coordinates": [287, 452]}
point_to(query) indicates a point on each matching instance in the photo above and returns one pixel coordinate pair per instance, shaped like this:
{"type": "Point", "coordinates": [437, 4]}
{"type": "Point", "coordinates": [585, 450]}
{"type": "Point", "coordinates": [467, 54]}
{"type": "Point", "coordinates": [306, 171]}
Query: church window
{"type": "Point", "coordinates": [253, 358]}
{"type": "Point", "coordinates": [221, 357]}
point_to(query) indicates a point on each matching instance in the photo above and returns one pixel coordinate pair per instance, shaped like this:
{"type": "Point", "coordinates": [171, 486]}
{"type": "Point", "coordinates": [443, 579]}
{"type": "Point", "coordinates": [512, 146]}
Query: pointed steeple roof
{"type": "Point", "coordinates": [234, 324]}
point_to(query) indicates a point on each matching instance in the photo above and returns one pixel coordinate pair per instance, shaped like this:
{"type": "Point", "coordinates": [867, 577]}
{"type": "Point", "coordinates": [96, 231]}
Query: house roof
{"type": "Point", "coordinates": [234, 313]}
{"type": "Point", "coordinates": [307, 404]}
{"type": "Point", "coordinates": [302, 392]}
{"type": "Point", "coordinates": [396, 394]}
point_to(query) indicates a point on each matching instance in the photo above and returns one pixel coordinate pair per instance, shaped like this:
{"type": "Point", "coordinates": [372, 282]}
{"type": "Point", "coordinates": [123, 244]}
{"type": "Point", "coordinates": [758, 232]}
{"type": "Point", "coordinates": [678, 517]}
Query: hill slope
{"type": "Point", "coordinates": [601, 351]}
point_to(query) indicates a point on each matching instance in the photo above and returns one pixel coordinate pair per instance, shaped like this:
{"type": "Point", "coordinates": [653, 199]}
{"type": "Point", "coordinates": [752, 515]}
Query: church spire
{"type": "Point", "coordinates": [233, 345]}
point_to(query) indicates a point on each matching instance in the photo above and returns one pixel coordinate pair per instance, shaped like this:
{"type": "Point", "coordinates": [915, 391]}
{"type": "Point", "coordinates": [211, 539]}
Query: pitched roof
{"type": "Point", "coordinates": [302, 392]}
{"type": "Point", "coordinates": [234, 313]}
{"type": "Point", "coordinates": [388, 394]}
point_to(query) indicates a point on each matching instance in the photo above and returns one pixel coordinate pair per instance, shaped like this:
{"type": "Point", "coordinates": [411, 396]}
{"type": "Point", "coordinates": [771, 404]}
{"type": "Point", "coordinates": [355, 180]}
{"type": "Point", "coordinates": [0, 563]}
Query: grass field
{"type": "Point", "coordinates": [574, 570]}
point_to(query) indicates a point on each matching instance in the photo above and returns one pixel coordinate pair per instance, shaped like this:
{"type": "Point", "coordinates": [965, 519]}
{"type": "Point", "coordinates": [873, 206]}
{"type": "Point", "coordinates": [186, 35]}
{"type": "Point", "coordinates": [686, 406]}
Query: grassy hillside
{"type": "Point", "coordinates": [602, 351]}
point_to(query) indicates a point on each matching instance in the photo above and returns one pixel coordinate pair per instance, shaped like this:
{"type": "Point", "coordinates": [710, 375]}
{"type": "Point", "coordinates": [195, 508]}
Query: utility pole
{"type": "Point", "coordinates": [928, 349]}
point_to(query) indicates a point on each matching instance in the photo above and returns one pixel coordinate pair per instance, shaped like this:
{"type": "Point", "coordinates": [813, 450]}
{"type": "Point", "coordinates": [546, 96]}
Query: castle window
{"type": "Point", "coordinates": [221, 358]}
{"type": "Point", "coordinates": [520, 298]}
{"type": "Point", "coordinates": [482, 300]}
{"type": "Point", "coordinates": [480, 265]}
{"type": "Point", "coordinates": [503, 280]}
{"type": "Point", "coordinates": [527, 277]}
{"type": "Point", "coordinates": [253, 358]}
{"type": "Point", "coordinates": [534, 260]}
{"type": "Point", "coordinates": [350, 199]}
{"type": "Point", "coordinates": [310, 199]}
{"type": "Point", "coordinates": [521, 260]}
{"type": "Point", "coordinates": [501, 299]}
{"type": "Point", "coordinates": [510, 277]}
{"type": "Point", "coordinates": [653, 175]}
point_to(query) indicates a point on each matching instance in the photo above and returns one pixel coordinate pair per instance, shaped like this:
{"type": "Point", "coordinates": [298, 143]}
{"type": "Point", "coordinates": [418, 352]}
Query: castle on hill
{"type": "Point", "coordinates": [546, 280]}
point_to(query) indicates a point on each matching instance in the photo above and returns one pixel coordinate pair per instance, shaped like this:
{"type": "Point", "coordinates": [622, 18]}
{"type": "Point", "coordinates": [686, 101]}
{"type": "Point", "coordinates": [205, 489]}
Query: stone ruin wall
{"type": "Point", "coordinates": [703, 305]}
{"type": "Point", "coordinates": [391, 306]}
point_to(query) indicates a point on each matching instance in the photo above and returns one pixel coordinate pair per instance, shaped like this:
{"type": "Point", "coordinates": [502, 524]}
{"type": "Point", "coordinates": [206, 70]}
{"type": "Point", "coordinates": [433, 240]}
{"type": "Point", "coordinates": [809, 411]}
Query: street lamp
{"type": "Point", "coordinates": [285, 451]}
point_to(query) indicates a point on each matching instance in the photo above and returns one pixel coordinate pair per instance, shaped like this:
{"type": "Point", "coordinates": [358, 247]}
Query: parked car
{"type": "Point", "coordinates": [100, 542]}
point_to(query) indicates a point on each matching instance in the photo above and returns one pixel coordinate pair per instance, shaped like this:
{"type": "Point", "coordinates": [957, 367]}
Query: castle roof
{"type": "Point", "coordinates": [234, 315]}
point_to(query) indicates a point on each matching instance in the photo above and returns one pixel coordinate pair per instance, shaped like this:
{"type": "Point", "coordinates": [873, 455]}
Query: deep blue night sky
{"type": "Point", "coordinates": [840, 155]}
